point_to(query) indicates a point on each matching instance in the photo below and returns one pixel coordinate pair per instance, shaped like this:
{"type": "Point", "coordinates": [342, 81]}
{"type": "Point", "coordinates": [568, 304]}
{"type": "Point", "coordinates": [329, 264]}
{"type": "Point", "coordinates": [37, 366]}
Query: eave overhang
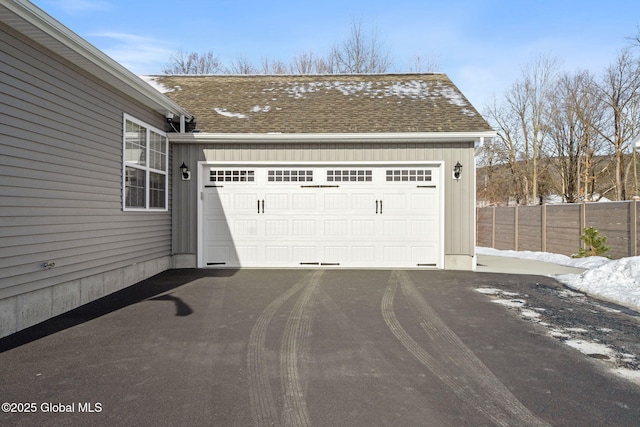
{"type": "Point", "coordinates": [300, 138]}
{"type": "Point", "coordinates": [28, 19]}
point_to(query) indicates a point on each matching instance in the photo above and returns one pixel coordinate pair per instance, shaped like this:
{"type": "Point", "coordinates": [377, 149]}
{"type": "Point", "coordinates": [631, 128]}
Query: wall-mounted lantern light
{"type": "Point", "coordinates": [185, 172]}
{"type": "Point", "coordinates": [457, 171]}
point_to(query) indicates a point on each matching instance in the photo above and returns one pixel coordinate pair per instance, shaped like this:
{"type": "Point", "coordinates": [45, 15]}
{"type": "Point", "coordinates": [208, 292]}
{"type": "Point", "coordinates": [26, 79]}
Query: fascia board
{"type": "Point", "coordinates": [221, 138]}
{"type": "Point", "coordinates": [52, 34]}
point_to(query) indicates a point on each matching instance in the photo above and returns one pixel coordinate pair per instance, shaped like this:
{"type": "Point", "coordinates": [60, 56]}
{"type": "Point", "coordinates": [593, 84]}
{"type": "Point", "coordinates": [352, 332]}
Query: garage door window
{"type": "Point", "coordinates": [349, 175]}
{"type": "Point", "coordinates": [409, 175]}
{"type": "Point", "coordinates": [290, 176]}
{"type": "Point", "coordinates": [237, 175]}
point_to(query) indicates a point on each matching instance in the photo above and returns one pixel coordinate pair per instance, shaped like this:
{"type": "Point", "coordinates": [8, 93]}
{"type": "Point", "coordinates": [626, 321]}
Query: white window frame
{"type": "Point", "coordinates": [146, 168]}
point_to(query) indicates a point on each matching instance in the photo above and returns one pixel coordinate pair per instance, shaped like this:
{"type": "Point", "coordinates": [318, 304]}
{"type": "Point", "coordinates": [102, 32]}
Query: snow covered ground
{"type": "Point", "coordinates": [617, 281]}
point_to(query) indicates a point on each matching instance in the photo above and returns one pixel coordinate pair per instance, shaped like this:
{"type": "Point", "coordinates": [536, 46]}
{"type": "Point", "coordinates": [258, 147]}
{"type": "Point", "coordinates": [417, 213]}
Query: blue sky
{"type": "Point", "coordinates": [481, 44]}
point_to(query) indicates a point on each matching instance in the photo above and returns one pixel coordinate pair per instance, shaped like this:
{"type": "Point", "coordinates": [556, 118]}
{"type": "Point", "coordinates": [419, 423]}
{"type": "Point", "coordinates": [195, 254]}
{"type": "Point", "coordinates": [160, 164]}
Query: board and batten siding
{"type": "Point", "coordinates": [61, 188]}
{"type": "Point", "coordinates": [459, 216]}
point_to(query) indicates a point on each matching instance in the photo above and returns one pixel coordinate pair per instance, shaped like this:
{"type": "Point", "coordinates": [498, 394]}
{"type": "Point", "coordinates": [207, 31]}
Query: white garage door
{"type": "Point", "coordinates": [329, 215]}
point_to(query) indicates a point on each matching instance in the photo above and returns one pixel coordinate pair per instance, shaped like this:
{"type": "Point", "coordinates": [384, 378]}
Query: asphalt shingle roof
{"type": "Point", "coordinates": [379, 103]}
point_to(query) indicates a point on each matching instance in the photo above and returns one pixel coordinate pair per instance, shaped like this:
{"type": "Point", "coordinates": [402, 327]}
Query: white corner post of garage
{"type": "Point", "coordinates": [312, 214]}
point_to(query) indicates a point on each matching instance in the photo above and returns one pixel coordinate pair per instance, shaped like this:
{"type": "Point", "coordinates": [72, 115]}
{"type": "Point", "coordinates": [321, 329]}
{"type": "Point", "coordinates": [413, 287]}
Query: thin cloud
{"type": "Point", "coordinates": [80, 6]}
{"type": "Point", "coordinates": [141, 55]}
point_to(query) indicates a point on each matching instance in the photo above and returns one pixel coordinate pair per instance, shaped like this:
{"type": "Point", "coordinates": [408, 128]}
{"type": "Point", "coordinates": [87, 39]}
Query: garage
{"type": "Point", "coordinates": [322, 215]}
{"type": "Point", "coordinates": [331, 171]}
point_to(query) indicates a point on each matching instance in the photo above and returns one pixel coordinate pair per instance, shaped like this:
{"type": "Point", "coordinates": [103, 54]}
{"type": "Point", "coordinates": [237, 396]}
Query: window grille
{"type": "Point", "coordinates": [231, 176]}
{"type": "Point", "coordinates": [290, 176]}
{"type": "Point", "coordinates": [349, 175]}
{"type": "Point", "coordinates": [408, 175]}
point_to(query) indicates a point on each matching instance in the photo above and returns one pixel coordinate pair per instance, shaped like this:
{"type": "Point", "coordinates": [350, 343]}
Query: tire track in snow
{"type": "Point", "coordinates": [263, 406]}
{"type": "Point", "coordinates": [457, 367]}
{"type": "Point", "coordinates": [294, 345]}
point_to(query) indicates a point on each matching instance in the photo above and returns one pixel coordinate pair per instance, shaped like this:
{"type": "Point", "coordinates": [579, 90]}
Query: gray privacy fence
{"type": "Point", "coordinates": [557, 228]}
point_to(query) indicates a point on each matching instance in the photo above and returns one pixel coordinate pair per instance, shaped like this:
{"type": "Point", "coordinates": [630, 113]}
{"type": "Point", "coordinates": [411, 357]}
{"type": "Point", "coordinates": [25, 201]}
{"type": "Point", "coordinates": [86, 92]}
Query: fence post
{"type": "Point", "coordinates": [633, 229]}
{"type": "Point", "coordinates": [543, 227]}
{"type": "Point", "coordinates": [582, 222]}
{"type": "Point", "coordinates": [493, 227]}
{"type": "Point", "coordinates": [515, 228]}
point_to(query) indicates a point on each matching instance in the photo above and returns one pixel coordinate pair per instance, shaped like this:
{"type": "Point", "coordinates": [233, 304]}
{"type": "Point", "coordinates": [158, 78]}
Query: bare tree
{"type": "Point", "coordinates": [619, 91]}
{"type": "Point", "coordinates": [242, 65]}
{"type": "Point", "coordinates": [527, 101]}
{"type": "Point", "coordinates": [307, 63]}
{"type": "Point", "coordinates": [273, 67]}
{"type": "Point", "coordinates": [635, 40]}
{"type": "Point", "coordinates": [425, 64]}
{"type": "Point", "coordinates": [360, 53]}
{"type": "Point", "coordinates": [506, 149]}
{"type": "Point", "coordinates": [193, 63]}
{"type": "Point", "coordinates": [572, 111]}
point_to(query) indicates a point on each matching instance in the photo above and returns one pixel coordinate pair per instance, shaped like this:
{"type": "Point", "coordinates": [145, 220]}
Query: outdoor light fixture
{"type": "Point", "coordinates": [457, 171]}
{"type": "Point", "coordinates": [186, 173]}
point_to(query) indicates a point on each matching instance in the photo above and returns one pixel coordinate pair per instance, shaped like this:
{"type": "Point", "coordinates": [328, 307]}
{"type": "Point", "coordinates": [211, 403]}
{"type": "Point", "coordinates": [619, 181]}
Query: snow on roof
{"type": "Point", "coordinates": [224, 112]}
{"type": "Point", "coordinates": [153, 82]}
{"type": "Point", "coordinates": [383, 103]}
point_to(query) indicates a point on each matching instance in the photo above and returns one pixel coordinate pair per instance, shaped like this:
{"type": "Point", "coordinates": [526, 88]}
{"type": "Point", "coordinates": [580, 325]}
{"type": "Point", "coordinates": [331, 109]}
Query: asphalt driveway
{"type": "Point", "coordinates": [306, 347]}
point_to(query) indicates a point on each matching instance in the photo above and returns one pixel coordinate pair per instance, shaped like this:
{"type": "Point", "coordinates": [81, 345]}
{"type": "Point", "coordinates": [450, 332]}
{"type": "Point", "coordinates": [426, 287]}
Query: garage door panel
{"type": "Point", "coordinates": [304, 228]}
{"type": "Point", "coordinates": [424, 202]}
{"type": "Point", "coordinates": [425, 229]}
{"type": "Point", "coordinates": [278, 253]}
{"type": "Point", "coordinates": [277, 228]}
{"type": "Point", "coordinates": [335, 227]}
{"type": "Point", "coordinates": [218, 229]}
{"type": "Point", "coordinates": [363, 254]}
{"type": "Point", "coordinates": [395, 255]}
{"type": "Point", "coordinates": [245, 227]}
{"type": "Point", "coordinates": [335, 202]}
{"type": "Point", "coordinates": [336, 253]}
{"type": "Point", "coordinates": [276, 201]}
{"type": "Point", "coordinates": [218, 253]}
{"type": "Point", "coordinates": [304, 202]}
{"type": "Point", "coordinates": [246, 254]}
{"type": "Point", "coordinates": [242, 203]}
{"type": "Point", "coordinates": [395, 227]}
{"type": "Point", "coordinates": [214, 202]}
{"type": "Point", "coordinates": [305, 254]}
{"type": "Point", "coordinates": [363, 202]}
{"type": "Point", "coordinates": [363, 227]}
{"type": "Point", "coordinates": [394, 202]}
{"type": "Point", "coordinates": [424, 255]}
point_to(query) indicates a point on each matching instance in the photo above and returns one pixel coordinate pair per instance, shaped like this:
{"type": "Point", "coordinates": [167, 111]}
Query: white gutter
{"type": "Point", "coordinates": [47, 31]}
{"type": "Point", "coordinates": [253, 138]}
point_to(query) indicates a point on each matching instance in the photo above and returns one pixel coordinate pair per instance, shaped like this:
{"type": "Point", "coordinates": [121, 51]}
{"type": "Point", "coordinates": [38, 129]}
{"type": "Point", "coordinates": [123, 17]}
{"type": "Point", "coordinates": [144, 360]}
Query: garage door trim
{"type": "Point", "coordinates": [203, 183]}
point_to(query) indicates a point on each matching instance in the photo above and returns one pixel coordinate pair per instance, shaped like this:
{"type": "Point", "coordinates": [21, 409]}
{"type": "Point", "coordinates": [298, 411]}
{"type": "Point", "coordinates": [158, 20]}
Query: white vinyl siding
{"type": "Point", "coordinates": [145, 179]}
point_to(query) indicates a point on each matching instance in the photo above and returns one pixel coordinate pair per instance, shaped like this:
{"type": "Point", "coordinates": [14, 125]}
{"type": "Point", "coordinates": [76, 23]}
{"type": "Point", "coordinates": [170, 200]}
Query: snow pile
{"type": "Point", "coordinates": [617, 281]}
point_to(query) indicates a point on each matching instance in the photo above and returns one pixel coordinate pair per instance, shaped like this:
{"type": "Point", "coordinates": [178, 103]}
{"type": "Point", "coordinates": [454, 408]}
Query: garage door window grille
{"type": "Point", "coordinates": [409, 175]}
{"type": "Point", "coordinates": [231, 176]}
{"type": "Point", "coordinates": [290, 176]}
{"type": "Point", "coordinates": [349, 175]}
